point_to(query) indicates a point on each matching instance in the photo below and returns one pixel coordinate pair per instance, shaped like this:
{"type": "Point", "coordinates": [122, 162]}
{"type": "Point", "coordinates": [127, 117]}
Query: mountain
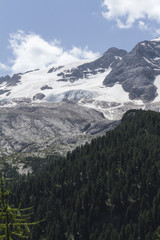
{"type": "Point", "coordinates": [57, 107]}
{"type": "Point", "coordinates": [49, 127]}
{"type": "Point", "coordinates": [138, 71]}
{"type": "Point", "coordinates": [109, 189]}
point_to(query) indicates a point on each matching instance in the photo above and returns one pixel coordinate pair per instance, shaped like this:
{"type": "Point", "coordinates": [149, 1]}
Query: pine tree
{"type": "Point", "coordinates": [156, 235]}
{"type": "Point", "coordinates": [14, 222]}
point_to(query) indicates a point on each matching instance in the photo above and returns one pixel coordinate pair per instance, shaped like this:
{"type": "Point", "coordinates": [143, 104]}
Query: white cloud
{"type": "Point", "coordinates": [158, 31]}
{"type": "Point", "coordinates": [30, 51]}
{"type": "Point", "coordinates": [143, 26]}
{"type": "Point", "coordinates": [127, 12]}
{"type": "Point", "coordinates": [3, 67]}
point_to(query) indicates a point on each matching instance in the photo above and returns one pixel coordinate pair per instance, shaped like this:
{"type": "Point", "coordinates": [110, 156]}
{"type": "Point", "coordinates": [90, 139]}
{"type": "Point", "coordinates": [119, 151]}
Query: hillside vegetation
{"type": "Point", "coordinates": [109, 189]}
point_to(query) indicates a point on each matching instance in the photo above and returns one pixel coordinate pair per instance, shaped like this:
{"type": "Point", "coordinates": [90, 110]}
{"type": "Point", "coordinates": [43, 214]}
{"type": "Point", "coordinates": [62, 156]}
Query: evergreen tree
{"type": "Point", "coordinates": [14, 222]}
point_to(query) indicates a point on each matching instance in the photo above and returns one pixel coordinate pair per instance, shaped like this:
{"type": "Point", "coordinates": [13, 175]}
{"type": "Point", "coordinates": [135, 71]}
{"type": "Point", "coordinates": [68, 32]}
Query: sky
{"type": "Point", "coordinates": [37, 33]}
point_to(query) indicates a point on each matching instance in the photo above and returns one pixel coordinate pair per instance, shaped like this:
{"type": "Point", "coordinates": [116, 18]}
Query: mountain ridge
{"type": "Point", "coordinates": [138, 67]}
{"type": "Point", "coordinates": [109, 86]}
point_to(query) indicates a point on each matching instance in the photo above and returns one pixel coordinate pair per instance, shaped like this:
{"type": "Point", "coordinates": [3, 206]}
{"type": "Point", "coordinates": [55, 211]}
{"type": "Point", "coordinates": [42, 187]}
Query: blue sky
{"type": "Point", "coordinates": [36, 33]}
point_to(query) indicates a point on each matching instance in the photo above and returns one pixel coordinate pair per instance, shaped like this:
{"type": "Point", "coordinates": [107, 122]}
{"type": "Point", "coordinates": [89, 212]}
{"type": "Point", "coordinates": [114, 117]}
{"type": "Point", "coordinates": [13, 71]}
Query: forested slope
{"type": "Point", "coordinates": [109, 189]}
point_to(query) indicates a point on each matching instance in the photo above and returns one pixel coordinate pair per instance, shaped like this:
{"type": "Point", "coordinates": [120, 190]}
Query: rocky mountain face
{"type": "Point", "coordinates": [91, 68]}
{"type": "Point", "coordinates": [58, 127]}
{"type": "Point", "coordinates": [59, 107]}
{"type": "Point", "coordinates": [137, 71]}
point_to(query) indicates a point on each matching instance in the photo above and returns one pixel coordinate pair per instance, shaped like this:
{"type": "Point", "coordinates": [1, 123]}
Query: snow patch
{"type": "Point", "coordinates": [157, 58]}
{"type": "Point", "coordinates": [150, 62]}
{"type": "Point", "coordinates": [118, 57]}
{"type": "Point", "coordinates": [157, 84]}
{"type": "Point", "coordinates": [156, 40]}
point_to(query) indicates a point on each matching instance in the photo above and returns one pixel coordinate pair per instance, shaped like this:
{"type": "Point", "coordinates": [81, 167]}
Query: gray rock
{"type": "Point", "coordinates": [109, 58]}
{"type": "Point", "coordinates": [137, 71]}
{"type": "Point", "coordinates": [54, 69]}
{"type": "Point", "coordinates": [59, 126]}
{"type": "Point", "coordinates": [38, 96]}
{"type": "Point", "coordinates": [3, 91]}
{"type": "Point", "coordinates": [11, 81]}
{"type": "Point", "coordinates": [46, 87]}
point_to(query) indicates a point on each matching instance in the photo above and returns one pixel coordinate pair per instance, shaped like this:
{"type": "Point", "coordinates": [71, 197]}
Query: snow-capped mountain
{"type": "Point", "coordinates": [137, 71]}
{"type": "Point", "coordinates": [61, 103]}
{"type": "Point", "coordinates": [80, 82]}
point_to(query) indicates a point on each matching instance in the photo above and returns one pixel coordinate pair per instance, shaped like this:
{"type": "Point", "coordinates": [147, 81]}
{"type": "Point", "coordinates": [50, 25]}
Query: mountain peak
{"type": "Point", "coordinates": [114, 52]}
{"type": "Point", "coordinates": [137, 71]}
{"type": "Point", "coordinates": [156, 39]}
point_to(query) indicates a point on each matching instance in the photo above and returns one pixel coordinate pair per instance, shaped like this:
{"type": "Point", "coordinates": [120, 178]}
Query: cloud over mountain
{"type": "Point", "coordinates": [31, 51]}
